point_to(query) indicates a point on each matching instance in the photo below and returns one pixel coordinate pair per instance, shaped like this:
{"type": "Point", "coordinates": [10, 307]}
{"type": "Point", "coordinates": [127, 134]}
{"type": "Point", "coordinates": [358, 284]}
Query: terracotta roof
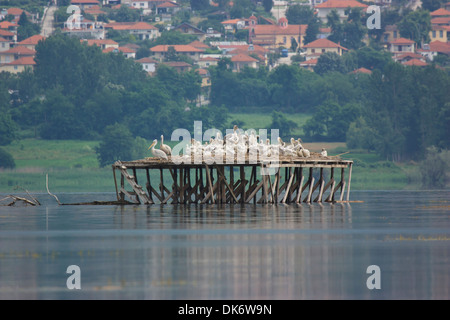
{"type": "Point", "coordinates": [130, 26]}
{"type": "Point", "coordinates": [341, 4]}
{"type": "Point", "coordinates": [323, 43]}
{"type": "Point", "coordinates": [409, 55]}
{"type": "Point", "coordinates": [269, 29]}
{"type": "Point", "coordinates": [94, 11]}
{"type": "Point", "coordinates": [16, 11]}
{"type": "Point", "coordinates": [309, 62]}
{"type": "Point", "coordinates": [362, 70]}
{"type": "Point", "coordinates": [24, 61]}
{"type": "Point", "coordinates": [20, 50]}
{"type": "Point", "coordinates": [6, 24]}
{"type": "Point", "coordinates": [243, 58]}
{"type": "Point", "coordinates": [202, 72]}
{"type": "Point", "coordinates": [177, 47]}
{"type": "Point", "coordinates": [440, 12]}
{"type": "Point", "coordinates": [5, 33]}
{"type": "Point", "coordinates": [167, 5]}
{"type": "Point", "coordinates": [245, 47]}
{"type": "Point", "coordinates": [33, 40]}
{"type": "Point", "coordinates": [198, 44]}
{"type": "Point", "coordinates": [232, 21]}
{"type": "Point", "coordinates": [3, 40]}
{"type": "Point", "coordinates": [146, 60]}
{"type": "Point", "coordinates": [402, 41]}
{"type": "Point", "coordinates": [415, 62]}
{"type": "Point", "coordinates": [440, 20]}
{"type": "Point", "coordinates": [208, 59]}
{"type": "Point", "coordinates": [325, 30]}
{"type": "Point", "coordinates": [438, 46]}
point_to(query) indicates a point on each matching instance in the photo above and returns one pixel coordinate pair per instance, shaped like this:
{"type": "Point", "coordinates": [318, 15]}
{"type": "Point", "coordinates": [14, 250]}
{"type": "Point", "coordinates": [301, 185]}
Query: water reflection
{"type": "Point", "coordinates": [316, 251]}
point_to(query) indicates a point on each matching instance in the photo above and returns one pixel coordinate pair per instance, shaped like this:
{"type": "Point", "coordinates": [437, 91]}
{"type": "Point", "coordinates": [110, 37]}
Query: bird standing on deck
{"type": "Point", "coordinates": [324, 153]}
{"type": "Point", "coordinates": [164, 147]}
{"type": "Point", "coordinates": [157, 152]}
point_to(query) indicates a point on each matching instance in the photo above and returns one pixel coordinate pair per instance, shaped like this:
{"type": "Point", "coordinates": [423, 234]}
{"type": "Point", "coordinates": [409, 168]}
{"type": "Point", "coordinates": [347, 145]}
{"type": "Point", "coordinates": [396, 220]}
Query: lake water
{"type": "Point", "coordinates": [268, 252]}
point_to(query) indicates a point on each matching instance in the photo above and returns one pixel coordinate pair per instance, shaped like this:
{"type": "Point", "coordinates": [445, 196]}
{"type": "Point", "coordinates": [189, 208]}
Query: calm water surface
{"type": "Point", "coordinates": [317, 251]}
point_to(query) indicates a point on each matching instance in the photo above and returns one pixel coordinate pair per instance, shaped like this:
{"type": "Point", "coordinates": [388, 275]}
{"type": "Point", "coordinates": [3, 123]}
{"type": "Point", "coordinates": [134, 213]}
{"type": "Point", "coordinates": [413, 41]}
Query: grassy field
{"type": "Point", "coordinates": [72, 166]}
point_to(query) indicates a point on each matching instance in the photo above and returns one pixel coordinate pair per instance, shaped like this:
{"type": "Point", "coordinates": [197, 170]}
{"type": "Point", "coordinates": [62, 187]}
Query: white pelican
{"type": "Point", "coordinates": [165, 147]}
{"type": "Point", "coordinates": [306, 153]}
{"type": "Point", "coordinates": [157, 152]}
{"type": "Point", "coordinates": [324, 153]}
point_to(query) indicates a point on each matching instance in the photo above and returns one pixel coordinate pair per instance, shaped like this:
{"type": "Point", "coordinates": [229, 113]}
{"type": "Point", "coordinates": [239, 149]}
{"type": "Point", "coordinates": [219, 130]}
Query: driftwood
{"type": "Point", "coordinates": [16, 198]}
{"type": "Point", "coordinates": [46, 184]}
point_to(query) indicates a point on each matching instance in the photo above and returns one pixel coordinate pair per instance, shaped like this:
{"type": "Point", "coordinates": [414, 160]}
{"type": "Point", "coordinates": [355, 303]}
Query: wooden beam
{"type": "Point", "coordinates": [286, 194]}
{"type": "Point", "coordinates": [349, 180]}
{"type": "Point", "coordinates": [208, 178]}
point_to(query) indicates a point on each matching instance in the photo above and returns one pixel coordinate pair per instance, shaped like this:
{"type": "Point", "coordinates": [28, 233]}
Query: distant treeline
{"type": "Point", "coordinates": [76, 91]}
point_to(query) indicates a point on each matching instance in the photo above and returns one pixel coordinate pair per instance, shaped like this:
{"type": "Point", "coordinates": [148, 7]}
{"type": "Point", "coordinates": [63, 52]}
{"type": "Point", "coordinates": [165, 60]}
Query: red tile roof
{"type": "Point", "coordinates": [341, 4]}
{"type": "Point", "coordinates": [33, 40]}
{"type": "Point", "coordinates": [146, 60]}
{"type": "Point", "coordinates": [177, 47]}
{"type": "Point", "coordinates": [402, 41]}
{"type": "Point", "coordinates": [440, 12]}
{"type": "Point", "coordinates": [323, 43]}
{"type": "Point", "coordinates": [198, 44]}
{"type": "Point", "coordinates": [362, 70]}
{"type": "Point", "coordinates": [440, 20]}
{"type": "Point", "coordinates": [415, 62]}
{"type": "Point", "coordinates": [409, 55]}
{"type": "Point", "coordinates": [4, 40]}
{"type": "Point", "coordinates": [16, 11]}
{"type": "Point", "coordinates": [130, 26]}
{"type": "Point", "coordinates": [24, 61]}
{"type": "Point", "coordinates": [99, 42]}
{"type": "Point", "coordinates": [243, 58]}
{"type": "Point", "coordinates": [167, 4]}
{"type": "Point", "coordinates": [85, 2]}
{"type": "Point", "coordinates": [20, 50]}
{"type": "Point", "coordinates": [5, 33]}
{"type": "Point", "coordinates": [438, 46]}
{"type": "Point", "coordinates": [309, 62]}
{"type": "Point", "coordinates": [6, 24]}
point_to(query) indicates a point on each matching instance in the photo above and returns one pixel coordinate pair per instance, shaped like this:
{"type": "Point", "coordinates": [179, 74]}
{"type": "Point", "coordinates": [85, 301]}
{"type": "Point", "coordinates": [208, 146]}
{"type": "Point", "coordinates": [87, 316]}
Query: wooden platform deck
{"type": "Point", "coordinates": [269, 180]}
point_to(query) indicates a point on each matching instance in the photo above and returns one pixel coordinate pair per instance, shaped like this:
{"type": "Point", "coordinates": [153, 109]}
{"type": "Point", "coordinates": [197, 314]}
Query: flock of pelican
{"type": "Point", "coordinates": [236, 143]}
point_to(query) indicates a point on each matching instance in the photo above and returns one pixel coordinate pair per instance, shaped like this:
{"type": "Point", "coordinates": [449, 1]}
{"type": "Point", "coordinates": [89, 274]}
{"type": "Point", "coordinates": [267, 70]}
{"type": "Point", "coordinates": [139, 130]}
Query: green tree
{"type": "Point", "coordinates": [350, 32]}
{"type": "Point", "coordinates": [26, 28]}
{"type": "Point", "coordinates": [6, 160]}
{"type": "Point", "coordinates": [298, 14]}
{"type": "Point", "coordinates": [199, 4]}
{"type": "Point", "coordinates": [8, 129]}
{"type": "Point", "coordinates": [432, 5]}
{"type": "Point", "coordinates": [267, 4]}
{"type": "Point", "coordinates": [312, 30]}
{"type": "Point", "coordinates": [416, 26]}
{"type": "Point", "coordinates": [281, 122]}
{"type": "Point", "coordinates": [116, 143]}
{"type": "Point", "coordinates": [329, 62]}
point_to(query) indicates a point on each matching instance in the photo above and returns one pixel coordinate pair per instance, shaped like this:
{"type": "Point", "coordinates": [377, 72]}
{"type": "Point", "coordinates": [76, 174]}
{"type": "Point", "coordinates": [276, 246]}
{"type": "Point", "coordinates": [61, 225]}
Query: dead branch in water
{"type": "Point", "coordinates": [16, 198]}
{"type": "Point", "coordinates": [46, 184]}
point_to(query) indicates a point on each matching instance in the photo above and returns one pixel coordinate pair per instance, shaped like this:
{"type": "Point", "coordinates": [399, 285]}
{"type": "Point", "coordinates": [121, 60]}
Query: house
{"type": "Point", "coordinates": [324, 33]}
{"type": "Point", "coordinates": [148, 64]}
{"type": "Point", "coordinates": [10, 36]}
{"type": "Point", "coordinates": [232, 25]}
{"type": "Point", "coordinates": [111, 3]}
{"type": "Point", "coordinates": [179, 66]}
{"type": "Point", "coordinates": [309, 64]}
{"type": "Point", "coordinates": [102, 43]}
{"type": "Point", "coordinates": [15, 54]}
{"type": "Point", "coordinates": [206, 62]}
{"type": "Point", "coordinates": [404, 57]}
{"type": "Point", "coordinates": [127, 52]}
{"type": "Point", "coordinates": [434, 48]}
{"type": "Point", "coordinates": [17, 12]}
{"type": "Point", "coordinates": [205, 87]}
{"type": "Point", "coordinates": [254, 50]}
{"type": "Point", "coordinates": [31, 42]}
{"type": "Point", "coordinates": [94, 11]}
{"type": "Point", "coordinates": [211, 33]}
{"type": "Point", "coordinates": [9, 26]}
{"type": "Point", "coordinates": [190, 29]}
{"type": "Point", "coordinates": [319, 46]}
{"type": "Point", "coordinates": [85, 4]}
{"type": "Point", "coordinates": [159, 52]}
{"type": "Point", "coordinates": [242, 60]}
{"type": "Point", "coordinates": [439, 33]}
{"type": "Point", "coordinates": [390, 33]}
{"type": "Point", "coordinates": [147, 6]}
{"type": "Point", "coordinates": [275, 36]}
{"type": "Point", "coordinates": [362, 70]}
{"type": "Point", "coordinates": [415, 62]}
{"type": "Point", "coordinates": [18, 65]}
{"type": "Point", "coordinates": [402, 45]}
{"type": "Point", "coordinates": [167, 8]}
{"type": "Point", "coordinates": [441, 12]}
{"type": "Point", "coordinates": [440, 21]}
{"type": "Point", "coordinates": [84, 29]}
{"type": "Point", "coordinates": [199, 45]}
{"type": "Point", "coordinates": [4, 45]}
{"type": "Point", "coordinates": [141, 30]}
{"type": "Point", "coordinates": [340, 6]}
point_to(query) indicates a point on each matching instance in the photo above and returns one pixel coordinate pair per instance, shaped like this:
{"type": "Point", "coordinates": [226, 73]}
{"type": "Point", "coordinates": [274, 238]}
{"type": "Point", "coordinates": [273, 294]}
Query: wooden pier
{"type": "Point", "coordinates": [291, 180]}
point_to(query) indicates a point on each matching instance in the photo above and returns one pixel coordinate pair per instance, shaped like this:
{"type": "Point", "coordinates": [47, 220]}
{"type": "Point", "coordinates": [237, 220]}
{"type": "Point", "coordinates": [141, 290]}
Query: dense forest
{"type": "Point", "coordinates": [77, 92]}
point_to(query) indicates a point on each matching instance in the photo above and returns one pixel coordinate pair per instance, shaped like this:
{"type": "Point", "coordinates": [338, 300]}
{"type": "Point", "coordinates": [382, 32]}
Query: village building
{"type": "Point", "coordinates": [402, 45]}
{"type": "Point", "coordinates": [140, 30]}
{"type": "Point", "coordinates": [148, 64]}
{"type": "Point", "coordinates": [341, 6]}
{"type": "Point", "coordinates": [276, 36]}
{"type": "Point", "coordinates": [18, 65]}
{"type": "Point", "coordinates": [320, 46]}
{"type": "Point", "coordinates": [159, 52]}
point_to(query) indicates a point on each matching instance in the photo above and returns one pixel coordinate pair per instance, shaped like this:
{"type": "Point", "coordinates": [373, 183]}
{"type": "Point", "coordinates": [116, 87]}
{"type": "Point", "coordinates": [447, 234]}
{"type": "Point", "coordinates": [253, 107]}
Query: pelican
{"type": "Point", "coordinates": [306, 153]}
{"type": "Point", "coordinates": [164, 147]}
{"type": "Point", "coordinates": [324, 153]}
{"type": "Point", "coordinates": [157, 152]}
